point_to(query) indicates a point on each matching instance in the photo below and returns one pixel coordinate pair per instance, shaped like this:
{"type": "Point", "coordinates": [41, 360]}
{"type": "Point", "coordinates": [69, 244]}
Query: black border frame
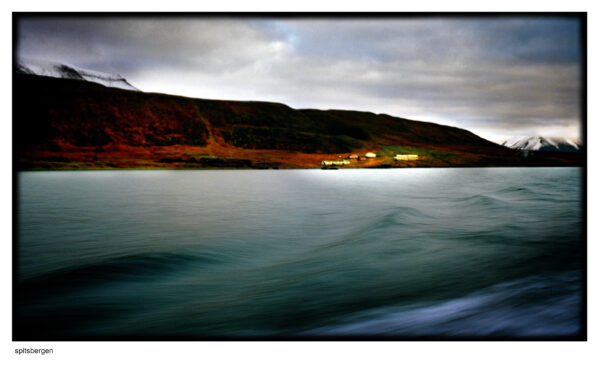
{"type": "Point", "coordinates": [581, 16]}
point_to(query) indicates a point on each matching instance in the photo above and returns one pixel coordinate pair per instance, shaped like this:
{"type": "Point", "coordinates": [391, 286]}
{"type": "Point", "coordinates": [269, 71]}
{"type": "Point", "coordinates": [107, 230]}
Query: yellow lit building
{"type": "Point", "coordinates": [406, 157]}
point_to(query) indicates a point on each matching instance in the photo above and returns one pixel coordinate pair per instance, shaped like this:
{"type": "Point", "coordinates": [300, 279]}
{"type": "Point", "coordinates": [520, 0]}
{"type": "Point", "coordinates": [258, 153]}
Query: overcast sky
{"type": "Point", "coordinates": [498, 77]}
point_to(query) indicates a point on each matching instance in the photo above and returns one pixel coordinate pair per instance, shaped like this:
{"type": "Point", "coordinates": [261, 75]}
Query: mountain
{"type": "Point", "coordinates": [72, 123]}
{"type": "Point", "coordinates": [58, 70]}
{"type": "Point", "coordinates": [538, 143]}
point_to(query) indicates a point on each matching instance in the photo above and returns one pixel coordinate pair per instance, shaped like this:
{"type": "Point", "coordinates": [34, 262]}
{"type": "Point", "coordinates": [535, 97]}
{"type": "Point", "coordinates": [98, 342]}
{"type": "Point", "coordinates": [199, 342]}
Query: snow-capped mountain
{"type": "Point", "coordinates": [538, 143]}
{"type": "Point", "coordinates": [59, 70]}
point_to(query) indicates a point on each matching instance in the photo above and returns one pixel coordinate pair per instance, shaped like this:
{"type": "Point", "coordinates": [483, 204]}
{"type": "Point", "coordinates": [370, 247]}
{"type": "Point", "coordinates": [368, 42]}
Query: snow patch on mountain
{"type": "Point", "coordinates": [59, 70]}
{"type": "Point", "coordinates": [539, 143]}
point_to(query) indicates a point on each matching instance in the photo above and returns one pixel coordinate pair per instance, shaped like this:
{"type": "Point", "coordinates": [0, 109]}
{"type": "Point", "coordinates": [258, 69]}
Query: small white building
{"type": "Point", "coordinates": [406, 157]}
{"type": "Point", "coordinates": [352, 156]}
{"type": "Point", "coordinates": [335, 162]}
{"type": "Point", "coordinates": [370, 155]}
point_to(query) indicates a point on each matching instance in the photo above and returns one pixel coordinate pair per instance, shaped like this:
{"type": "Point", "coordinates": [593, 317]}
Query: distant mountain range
{"type": "Point", "coordinates": [538, 143]}
{"type": "Point", "coordinates": [59, 70]}
{"type": "Point", "coordinates": [70, 118]}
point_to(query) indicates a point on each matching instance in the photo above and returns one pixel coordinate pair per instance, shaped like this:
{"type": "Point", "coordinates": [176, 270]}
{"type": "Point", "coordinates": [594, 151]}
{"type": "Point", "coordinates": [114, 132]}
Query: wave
{"type": "Point", "coordinates": [538, 306]}
{"type": "Point", "coordinates": [141, 267]}
{"type": "Point", "coordinates": [485, 202]}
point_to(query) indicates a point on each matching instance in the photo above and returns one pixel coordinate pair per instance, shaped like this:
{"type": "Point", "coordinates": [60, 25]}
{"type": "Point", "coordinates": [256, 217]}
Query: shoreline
{"type": "Point", "coordinates": [284, 169]}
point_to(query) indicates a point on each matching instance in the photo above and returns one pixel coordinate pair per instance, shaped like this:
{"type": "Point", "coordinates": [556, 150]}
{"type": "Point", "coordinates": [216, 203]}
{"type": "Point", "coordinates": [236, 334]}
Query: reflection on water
{"type": "Point", "coordinates": [483, 252]}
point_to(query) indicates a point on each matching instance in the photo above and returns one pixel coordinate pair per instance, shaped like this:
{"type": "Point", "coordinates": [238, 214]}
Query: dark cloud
{"type": "Point", "coordinates": [495, 76]}
{"type": "Point", "coordinates": [135, 43]}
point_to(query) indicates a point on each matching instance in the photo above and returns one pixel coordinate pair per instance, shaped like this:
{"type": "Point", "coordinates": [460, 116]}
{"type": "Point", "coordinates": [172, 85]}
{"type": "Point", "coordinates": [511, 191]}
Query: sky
{"type": "Point", "coordinates": [499, 77]}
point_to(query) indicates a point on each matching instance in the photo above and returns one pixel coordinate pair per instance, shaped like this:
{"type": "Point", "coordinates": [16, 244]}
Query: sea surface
{"type": "Point", "coordinates": [453, 253]}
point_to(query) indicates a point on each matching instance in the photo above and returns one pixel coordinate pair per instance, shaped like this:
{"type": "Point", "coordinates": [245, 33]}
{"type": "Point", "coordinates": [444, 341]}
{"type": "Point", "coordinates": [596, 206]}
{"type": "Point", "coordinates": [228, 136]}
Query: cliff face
{"type": "Point", "coordinates": [61, 123]}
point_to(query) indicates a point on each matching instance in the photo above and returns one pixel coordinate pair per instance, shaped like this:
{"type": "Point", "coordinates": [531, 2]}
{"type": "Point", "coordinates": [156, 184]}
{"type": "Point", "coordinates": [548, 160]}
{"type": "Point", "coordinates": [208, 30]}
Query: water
{"type": "Point", "coordinates": [413, 253]}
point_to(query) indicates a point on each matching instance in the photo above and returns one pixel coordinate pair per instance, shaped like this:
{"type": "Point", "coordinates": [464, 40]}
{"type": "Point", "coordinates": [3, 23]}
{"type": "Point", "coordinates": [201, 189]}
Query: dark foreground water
{"type": "Point", "coordinates": [413, 253]}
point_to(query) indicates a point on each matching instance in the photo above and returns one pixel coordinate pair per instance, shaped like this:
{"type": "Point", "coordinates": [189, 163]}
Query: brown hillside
{"type": "Point", "coordinates": [61, 123]}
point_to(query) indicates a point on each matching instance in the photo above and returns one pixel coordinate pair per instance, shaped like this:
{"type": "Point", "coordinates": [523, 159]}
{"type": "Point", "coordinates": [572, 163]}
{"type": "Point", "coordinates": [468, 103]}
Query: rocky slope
{"type": "Point", "coordinates": [59, 70]}
{"type": "Point", "coordinates": [539, 143]}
